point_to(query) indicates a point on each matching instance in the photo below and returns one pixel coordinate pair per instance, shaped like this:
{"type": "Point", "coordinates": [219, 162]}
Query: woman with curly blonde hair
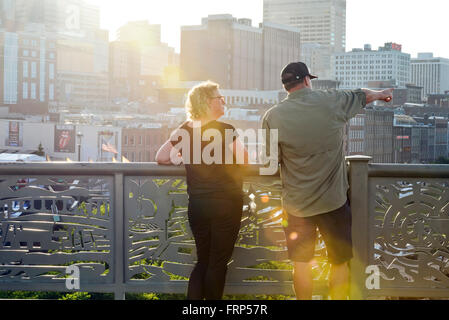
{"type": "Point", "coordinates": [214, 189]}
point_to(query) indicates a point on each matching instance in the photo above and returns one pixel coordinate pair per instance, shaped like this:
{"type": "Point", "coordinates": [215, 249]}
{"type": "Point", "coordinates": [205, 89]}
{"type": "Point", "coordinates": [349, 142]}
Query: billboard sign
{"type": "Point", "coordinates": [15, 133]}
{"type": "Point", "coordinates": [65, 138]}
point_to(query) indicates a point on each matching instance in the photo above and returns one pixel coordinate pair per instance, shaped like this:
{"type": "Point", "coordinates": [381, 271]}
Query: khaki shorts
{"type": "Point", "coordinates": [335, 228]}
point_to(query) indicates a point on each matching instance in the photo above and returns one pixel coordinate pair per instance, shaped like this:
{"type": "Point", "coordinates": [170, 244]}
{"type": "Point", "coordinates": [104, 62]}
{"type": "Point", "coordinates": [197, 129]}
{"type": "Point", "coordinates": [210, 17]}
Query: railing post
{"type": "Point", "coordinates": [358, 181]}
{"type": "Point", "coordinates": [119, 240]}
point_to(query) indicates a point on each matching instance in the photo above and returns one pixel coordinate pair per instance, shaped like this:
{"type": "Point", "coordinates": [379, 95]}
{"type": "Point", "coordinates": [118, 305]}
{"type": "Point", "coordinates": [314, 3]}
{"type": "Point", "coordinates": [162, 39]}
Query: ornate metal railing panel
{"type": "Point", "coordinates": [159, 241]}
{"type": "Point", "coordinates": [125, 227]}
{"type": "Point", "coordinates": [161, 249]}
{"type": "Point", "coordinates": [409, 219]}
{"type": "Point", "coordinates": [50, 222]}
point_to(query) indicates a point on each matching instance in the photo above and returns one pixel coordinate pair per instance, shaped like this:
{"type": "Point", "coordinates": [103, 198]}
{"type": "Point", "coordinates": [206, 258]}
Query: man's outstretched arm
{"type": "Point", "coordinates": [372, 95]}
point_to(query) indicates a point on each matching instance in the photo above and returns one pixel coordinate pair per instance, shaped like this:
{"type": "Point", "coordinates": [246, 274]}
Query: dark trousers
{"type": "Point", "coordinates": [215, 225]}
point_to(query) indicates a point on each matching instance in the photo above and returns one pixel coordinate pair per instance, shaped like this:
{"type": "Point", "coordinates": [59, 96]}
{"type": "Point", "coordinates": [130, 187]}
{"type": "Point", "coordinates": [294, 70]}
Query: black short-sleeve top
{"type": "Point", "coordinates": [220, 178]}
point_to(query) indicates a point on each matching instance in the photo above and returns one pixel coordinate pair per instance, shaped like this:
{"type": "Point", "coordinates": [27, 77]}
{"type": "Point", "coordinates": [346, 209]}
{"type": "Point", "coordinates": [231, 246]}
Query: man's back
{"type": "Point", "coordinates": [310, 126]}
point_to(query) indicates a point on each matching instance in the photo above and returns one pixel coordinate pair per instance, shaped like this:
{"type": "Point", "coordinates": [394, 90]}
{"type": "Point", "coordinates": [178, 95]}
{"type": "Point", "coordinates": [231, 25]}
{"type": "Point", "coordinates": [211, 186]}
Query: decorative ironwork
{"type": "Point", "coordinates": [158, 232]}
{"type": "Point", "coordinates": [126, 228]}
{"type": "Point", "coordinates": [161, 247]}
{"type": "Point", "coordinates": [49, 223]}
{"type": "Point", "coordinates": [410, 234]}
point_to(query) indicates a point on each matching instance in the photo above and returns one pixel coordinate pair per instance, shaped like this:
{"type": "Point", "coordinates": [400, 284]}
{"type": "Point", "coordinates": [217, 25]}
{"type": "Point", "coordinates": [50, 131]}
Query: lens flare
{"type": "Point", "coordinates": [293, 236]}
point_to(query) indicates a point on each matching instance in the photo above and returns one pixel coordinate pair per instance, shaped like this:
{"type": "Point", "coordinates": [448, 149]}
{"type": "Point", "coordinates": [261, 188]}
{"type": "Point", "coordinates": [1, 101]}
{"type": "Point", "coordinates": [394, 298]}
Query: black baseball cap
{"type": "Point", "coordinates": [295, 71]}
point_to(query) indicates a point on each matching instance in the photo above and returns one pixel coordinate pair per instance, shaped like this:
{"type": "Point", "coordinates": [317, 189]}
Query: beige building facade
{"type": "Point", "coordinates": [235, 54]}
{"type": "Point", "coordinates": [322, 25]}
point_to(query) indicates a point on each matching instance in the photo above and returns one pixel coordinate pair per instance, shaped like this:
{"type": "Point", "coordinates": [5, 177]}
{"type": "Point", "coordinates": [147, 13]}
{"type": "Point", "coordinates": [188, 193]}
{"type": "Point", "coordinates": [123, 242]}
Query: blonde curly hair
{"type": "Point", "coordinates": [197, 105]}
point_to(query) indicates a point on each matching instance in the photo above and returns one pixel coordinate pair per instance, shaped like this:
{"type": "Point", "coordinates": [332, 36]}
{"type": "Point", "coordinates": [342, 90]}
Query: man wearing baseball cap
{"type": "Point", "coordinates": [313, 172]}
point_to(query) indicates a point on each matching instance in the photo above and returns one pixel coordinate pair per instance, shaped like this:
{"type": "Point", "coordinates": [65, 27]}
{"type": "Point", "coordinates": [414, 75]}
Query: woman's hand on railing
{"type": "Point", "coordinates": [165, 153]}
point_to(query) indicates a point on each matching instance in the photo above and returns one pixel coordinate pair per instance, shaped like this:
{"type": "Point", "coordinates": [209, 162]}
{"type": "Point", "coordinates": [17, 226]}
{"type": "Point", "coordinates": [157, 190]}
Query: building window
{"type": "Point", "coordinates": [10, 71]}
{"type": "Point", "coordinates": [33, 91]}
{"type": "Point", "coordinates": [51, 91]}
{"type": "Point", "coordinates": [33, 69]}
{"type": "Point", "coordinates": [25, 69]}
{"type": "Point", "coordinates": [51, 71]}
{"type": "Point", "coordinates": [25, 90]}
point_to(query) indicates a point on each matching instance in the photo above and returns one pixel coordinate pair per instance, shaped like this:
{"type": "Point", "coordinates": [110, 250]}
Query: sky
{"type": "Point", "coordinates": [420, 26]}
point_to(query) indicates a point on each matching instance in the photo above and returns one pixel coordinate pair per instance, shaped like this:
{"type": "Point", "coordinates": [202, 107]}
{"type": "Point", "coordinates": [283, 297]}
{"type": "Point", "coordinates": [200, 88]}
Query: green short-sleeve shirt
{"type": "Point", "coordinates": [310, 131]}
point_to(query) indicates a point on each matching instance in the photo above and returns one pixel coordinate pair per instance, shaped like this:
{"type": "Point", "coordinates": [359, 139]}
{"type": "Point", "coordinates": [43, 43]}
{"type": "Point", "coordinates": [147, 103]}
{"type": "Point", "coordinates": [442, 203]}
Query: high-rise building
{"type": "Point", "coordinates": [58, 15]}
{"type": "Point", "coordinates": [355, 135]}
{"type": "Point", "coordinates": [28, 71]}
{"type": "Point", "coordinates": [317, 57]}
{"type": "Point", "coordinates": [322, 25]}
{"type": "Point", "coordinates": [431, 73]}
{"type": "Point", "coordinates": [140, 33]}
{"type": "Point", "coordinates": [80, 49]}
{"type": "Point", "coordinates": [224, 50]}
{"type": "Point", "coordinates": [423, 142]}
{"type": "Point", "coordinates": [396, 138]}
{"type": "Point", "coordinates": [124, 70]}
{"type": "Point", "coordinates": [237, 55]}
{"type": "Point", "coordinates": [281, 45]}
{"type": "Point", "coordinates": [138, 61]}
{"type": "Point", "coordinates": [402, 138]}
{"type": "Point", "coordinates": [322, 22]}
{"type": "Point", "coordinates": [437, 127]}
{"type": "Point", "coordinates": [82, 69]}
{"type": "Point", "coordinates": [155, 58]}
{"type": "Point", "coordinates": [7, 14]}
{"type": "Point", "coordinates": [441, 132]}
{"type": "Point", "coordinates": [379, 134]}
{"type": "Point", "coordinates": [441, 100]}
{"type": "Point", "coordinates": [356, 68]}
{"type": "Point", "coordinates": [371, 133]}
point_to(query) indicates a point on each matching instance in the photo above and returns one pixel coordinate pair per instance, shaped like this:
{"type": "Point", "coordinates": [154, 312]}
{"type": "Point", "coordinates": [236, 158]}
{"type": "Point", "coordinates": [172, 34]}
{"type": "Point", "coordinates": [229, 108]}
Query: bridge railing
{"type": "Point", "coordinates": [124, 228]}
{"type": "Point", "coordinates": [400, 229]}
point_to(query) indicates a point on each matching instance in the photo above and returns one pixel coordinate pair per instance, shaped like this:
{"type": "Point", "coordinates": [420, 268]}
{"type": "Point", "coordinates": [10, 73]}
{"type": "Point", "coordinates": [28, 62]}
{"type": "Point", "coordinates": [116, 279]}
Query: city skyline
{"type": "Point", "coordinates": [59, 68]}
{"type": "Point", "coordinates": [406, 22]}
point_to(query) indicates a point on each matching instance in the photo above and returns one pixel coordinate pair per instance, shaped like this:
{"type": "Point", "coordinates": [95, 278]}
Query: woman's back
{"type": "Point", "coordinates": [205, 179]}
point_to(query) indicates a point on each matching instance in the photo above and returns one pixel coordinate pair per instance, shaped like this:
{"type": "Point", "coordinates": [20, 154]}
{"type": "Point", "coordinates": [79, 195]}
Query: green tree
{"type": "Point", "coordinates": [40, 151]}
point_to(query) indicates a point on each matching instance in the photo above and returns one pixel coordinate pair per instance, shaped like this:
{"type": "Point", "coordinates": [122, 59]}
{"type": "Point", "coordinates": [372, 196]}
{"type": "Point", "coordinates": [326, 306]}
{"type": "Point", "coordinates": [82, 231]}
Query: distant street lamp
{"type": "Point", "coordinates": [80, 136]}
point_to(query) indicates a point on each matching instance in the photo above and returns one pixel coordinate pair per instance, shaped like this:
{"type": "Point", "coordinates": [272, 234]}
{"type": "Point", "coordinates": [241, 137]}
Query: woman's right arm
{"type": "Point", "coordinates": [163, 155]}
